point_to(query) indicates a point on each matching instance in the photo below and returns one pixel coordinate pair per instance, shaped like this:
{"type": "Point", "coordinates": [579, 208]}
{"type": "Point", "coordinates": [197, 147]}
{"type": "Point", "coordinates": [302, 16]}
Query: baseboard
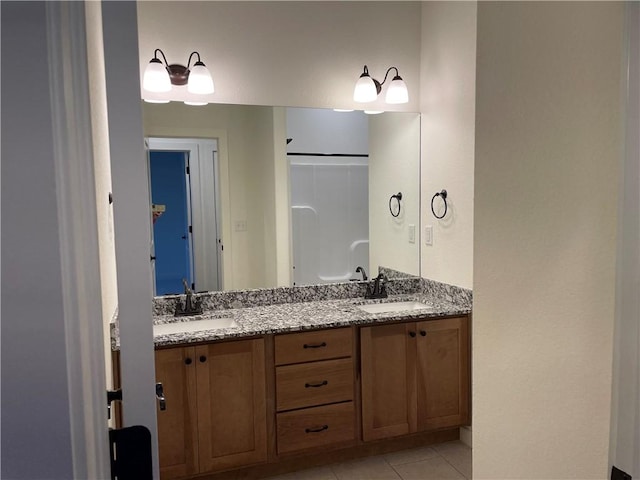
{"type": "Point", "coordinates": [465, 436]}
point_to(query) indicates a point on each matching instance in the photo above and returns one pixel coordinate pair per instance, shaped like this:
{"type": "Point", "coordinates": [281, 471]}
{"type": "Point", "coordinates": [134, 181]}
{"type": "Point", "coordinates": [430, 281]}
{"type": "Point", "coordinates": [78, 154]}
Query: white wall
{"type": "Point", "coordinates": [246, 146]}
{"type": "Point", "coordinates": [448, 67]}
{"type": "Point", "coordinates": [548, 144]}
{"type": "Point", "coordinates": [394, 160]}
{"type": "Point", "coordinates": [35, 389]}
{"type": "Point", "coordinates": [625, 408]}
{"type": "Point", "coordinates": [305, 54]}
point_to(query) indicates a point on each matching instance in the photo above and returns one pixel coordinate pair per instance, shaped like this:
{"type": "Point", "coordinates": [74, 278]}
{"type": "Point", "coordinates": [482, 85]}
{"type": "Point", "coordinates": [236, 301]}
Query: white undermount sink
{"type": "Point", "coordinates": [392, 307]}
{"type": "Point", "coordinates": [194, 326]}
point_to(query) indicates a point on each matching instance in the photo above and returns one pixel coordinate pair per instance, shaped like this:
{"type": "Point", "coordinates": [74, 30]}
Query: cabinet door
{"type": "Point", "coordinates": [232, 419]}
{"type": "Point", "coordinates": [177, 438]}
{"type": "Point", "coordinates": [442, 373]}
{"type": "Point", "coordinates": [388, 380]}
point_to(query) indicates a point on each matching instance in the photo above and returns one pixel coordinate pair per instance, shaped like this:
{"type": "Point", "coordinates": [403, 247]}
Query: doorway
{"type": "Point", "coordinates": [186, 235]}
{"type": "Point", "coordinates": [171, 213]}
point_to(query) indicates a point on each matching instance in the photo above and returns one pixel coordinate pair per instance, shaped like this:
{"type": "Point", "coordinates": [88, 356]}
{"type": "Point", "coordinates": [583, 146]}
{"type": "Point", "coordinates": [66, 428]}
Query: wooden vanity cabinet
{"type": "Point", "coordinates": [315, 389]}
{"type": "Point", "coordinates": [216, 407]}
{"type": "Point", "coordinates": [415, 377]}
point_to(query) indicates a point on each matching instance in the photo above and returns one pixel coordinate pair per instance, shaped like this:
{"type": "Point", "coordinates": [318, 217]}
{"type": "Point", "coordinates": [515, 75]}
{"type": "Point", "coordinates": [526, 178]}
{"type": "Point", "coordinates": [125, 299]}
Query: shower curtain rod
{"type": "Point", "coordinates": [302, 154]}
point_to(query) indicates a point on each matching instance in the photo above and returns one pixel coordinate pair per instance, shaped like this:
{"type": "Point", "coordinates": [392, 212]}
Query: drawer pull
{"type": "Point", "coordinates": [316, 430]}
{"type": "Point", "coordinates": [315, 345]}
{"type": "Point", "coordinates": [316, 385]}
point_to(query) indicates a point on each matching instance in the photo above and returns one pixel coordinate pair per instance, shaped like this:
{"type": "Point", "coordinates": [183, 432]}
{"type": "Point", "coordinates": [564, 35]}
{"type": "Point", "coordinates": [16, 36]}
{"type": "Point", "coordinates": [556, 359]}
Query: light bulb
{"type": "Point", "coordinates": [397, 91]}
{"type": "Point", "coordinates": [156, 78]}
{"type": "Point", "coordinates": [200, 80]}
{"type": "Point", "coordinates": [365, 90]}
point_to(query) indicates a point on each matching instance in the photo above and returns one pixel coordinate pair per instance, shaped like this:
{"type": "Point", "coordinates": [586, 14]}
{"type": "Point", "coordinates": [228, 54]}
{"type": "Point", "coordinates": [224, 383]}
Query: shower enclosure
{"type": "Point", "coordinates": [329, 195]}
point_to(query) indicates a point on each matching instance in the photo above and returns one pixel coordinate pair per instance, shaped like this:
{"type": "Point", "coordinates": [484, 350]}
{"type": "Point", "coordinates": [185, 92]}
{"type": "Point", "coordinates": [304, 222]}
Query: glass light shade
{"type": "Point", "coordinates": [152, 100]}
{"type": "Point", "coordinates": [365, 90]}
{"type": "Point", "coordinates": [373, 112]}
{"type": "Point", "coordinates": [195, 103]}
{"type": "Point", "coordinates": [200, 80]}
{"type": "Point", "coordinates": [156, 78]}
{"type": "Point", "coordinates": [397, 91]}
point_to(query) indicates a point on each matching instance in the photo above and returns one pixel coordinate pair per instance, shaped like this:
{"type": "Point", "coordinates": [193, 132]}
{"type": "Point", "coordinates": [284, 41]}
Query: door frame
{"type": "Point", "coordinates": [130, 215]}
{"type": "Point", "coordinates": [78, 227]}
{"type": "Point", "coordinates": [159, 145]}
{"type": "Point", "coordinates": [202, 153]}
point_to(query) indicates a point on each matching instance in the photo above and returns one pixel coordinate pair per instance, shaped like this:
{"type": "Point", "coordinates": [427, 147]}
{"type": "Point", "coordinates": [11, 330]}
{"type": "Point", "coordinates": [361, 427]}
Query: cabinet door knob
{"type": "Point", "coordinates": [203, 359]}
{"type": "Point", "coordinates": [423, 333]}
{"type": "Point", "coordinates": [412, 334]}
{"type": "Point", "coordinates": [187, 361]}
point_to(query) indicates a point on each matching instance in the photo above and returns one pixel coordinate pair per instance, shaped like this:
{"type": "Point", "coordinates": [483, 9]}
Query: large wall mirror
{"type": "Point", "coordinates": [255, 196]}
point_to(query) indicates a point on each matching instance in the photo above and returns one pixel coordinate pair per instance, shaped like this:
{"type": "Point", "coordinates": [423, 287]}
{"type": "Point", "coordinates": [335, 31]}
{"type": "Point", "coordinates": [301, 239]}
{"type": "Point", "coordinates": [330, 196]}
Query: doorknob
{"type": "Point", "coordinates": [162, 402]}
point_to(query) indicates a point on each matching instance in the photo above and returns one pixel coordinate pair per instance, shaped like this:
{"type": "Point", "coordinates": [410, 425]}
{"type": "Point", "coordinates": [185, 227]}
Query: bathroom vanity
{"type": "Point", "coordinates": [281, 383]}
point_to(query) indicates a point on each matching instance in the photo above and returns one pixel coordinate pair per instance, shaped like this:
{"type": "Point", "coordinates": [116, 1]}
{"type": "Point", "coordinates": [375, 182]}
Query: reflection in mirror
{"type": "Point", "coordinates": [298, 196]}
{"type": "Point", "coordinates": [185, 211]}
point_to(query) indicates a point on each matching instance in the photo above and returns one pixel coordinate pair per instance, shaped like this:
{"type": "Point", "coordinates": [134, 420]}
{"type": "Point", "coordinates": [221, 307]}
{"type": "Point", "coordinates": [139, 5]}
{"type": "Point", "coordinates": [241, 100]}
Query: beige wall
{"type": "Point", "coordinates": [448, 66]}
{"type": "Point", "coordinates": [282, 221]}
{"type": "Point", "coordinates": [102, 169]}
{"type": "Point", "coordinates": [305, 54]}
{"type": "Point", "coordinates": [246, 152]}
{"type": "Point", "coordinates": [394, 159]}
{"type": "Point", "coordinates": [548, 143]}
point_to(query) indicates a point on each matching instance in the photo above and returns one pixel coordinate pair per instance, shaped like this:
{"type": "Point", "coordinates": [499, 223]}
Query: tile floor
{"type": "Point", "coordinates": [451, 460]}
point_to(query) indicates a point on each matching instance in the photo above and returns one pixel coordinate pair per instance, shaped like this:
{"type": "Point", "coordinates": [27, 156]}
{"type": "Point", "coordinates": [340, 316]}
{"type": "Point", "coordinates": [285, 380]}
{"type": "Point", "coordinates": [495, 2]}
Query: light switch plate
{"type": "Point", "coordinates": [428, 235]}
{"type": "Point", "coordinates": [412, 234]}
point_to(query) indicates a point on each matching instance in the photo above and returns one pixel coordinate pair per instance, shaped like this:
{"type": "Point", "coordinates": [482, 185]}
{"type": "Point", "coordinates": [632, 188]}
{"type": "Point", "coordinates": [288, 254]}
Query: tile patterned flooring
{"type": "Point", "coordinates": [451, 460]}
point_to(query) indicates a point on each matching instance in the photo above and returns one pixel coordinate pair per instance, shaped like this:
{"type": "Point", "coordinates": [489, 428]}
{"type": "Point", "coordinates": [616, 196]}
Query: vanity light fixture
{"type": "Point", "coordinates": [159, 77]}
{"type": "Point", "coordinates": [367, 88]}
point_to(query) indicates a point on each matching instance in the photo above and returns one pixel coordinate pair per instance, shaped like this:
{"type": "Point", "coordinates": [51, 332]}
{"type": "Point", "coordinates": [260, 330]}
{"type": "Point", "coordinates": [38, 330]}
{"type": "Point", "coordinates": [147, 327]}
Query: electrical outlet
{"type": "Point", "coordinates": [428, 235]}
{"type": "Point", "coordinates": [412, 234]}
{"type": "Point", "coordinates": [240, 226]}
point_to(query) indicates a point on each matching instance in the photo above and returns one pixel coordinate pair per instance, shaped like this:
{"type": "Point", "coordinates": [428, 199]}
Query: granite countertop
{"type": "Point", "coordinates": [292, 317]}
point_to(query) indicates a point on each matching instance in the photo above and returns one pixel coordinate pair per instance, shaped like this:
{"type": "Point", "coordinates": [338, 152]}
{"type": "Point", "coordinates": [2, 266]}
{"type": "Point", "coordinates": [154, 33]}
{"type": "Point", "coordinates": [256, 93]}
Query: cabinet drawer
{"type": "Point", "coordinates": [310, 346]}
{"type": "Point", "coordinates": [312, 427]}
{"type": "Point", "coordinates": [316, 383]}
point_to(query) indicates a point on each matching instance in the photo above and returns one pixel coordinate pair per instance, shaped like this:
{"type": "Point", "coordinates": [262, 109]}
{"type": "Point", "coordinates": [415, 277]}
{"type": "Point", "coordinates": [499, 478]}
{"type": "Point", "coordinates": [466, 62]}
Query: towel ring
{"type": "Point", "coordinates": [398, 197]}
{"type": "Point", "coordinates": [443, 194]}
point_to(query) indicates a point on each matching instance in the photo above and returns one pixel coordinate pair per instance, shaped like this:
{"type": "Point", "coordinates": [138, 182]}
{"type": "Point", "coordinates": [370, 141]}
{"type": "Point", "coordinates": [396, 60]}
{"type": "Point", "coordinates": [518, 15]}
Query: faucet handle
{"type": "Point", "coordinates": [187, 290]}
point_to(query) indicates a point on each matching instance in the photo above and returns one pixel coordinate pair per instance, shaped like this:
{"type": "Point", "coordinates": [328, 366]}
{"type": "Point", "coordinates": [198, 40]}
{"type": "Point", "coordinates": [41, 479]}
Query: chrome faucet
{"type": "Point", "coordinates": [190, 307]}
{"type": "Point", "coordinates": [377, 288]}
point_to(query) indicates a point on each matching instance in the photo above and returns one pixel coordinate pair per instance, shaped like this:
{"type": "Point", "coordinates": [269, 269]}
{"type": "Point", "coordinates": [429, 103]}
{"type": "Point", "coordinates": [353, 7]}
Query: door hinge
{"type": "Point", "coordinates": [113, 396]}
{"type": "Point", "coordinates": [188, 170]}
{"type": "Point", "coordinates": [190, 229]}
